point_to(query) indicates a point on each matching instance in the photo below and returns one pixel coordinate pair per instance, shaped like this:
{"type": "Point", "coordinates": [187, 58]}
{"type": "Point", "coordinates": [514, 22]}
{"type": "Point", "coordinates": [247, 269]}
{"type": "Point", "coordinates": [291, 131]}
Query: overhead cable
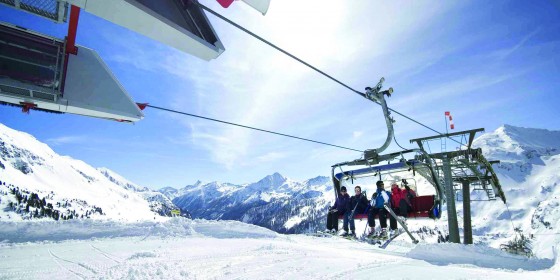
{"type": "Point", "coordinates": [253, 128]}
{"type": "Point", "coordinates": [309, 65]}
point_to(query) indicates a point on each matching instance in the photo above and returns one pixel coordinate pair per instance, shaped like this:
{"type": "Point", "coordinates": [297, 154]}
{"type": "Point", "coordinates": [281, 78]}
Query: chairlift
{"type": "Point", "coordinates": [426, 206]}
{"type": "Point", "coordinates": [423, 206]}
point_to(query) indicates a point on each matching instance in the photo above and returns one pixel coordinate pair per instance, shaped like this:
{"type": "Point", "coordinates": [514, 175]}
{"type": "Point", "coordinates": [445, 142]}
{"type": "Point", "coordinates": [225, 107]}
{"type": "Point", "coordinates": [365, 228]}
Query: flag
{"type": "Point", "coordinates": [259, 5]}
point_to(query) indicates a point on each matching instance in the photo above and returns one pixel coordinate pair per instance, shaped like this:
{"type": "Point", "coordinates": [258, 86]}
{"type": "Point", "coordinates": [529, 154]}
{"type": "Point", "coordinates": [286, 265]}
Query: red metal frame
{"type": "Point", "coordinates": [70, 41]}
{"type": "Point", "coordinates": [26, 106]}
{"type": "Point", "coordinates": [72, 30]}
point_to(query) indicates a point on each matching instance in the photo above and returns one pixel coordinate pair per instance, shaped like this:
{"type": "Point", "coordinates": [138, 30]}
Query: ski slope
{"type": "Point", "coordinates": [200, 249]}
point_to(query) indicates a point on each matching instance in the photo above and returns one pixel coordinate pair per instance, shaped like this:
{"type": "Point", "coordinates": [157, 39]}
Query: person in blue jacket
{"type": "Point", "coordinates": [380, 198]}
{"type": "Point", "coordinates": [339, 208]}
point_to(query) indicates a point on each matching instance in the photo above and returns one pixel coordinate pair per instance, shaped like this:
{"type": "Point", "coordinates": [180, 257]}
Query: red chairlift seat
{"type": "Point", "coordinates": [422, 207]}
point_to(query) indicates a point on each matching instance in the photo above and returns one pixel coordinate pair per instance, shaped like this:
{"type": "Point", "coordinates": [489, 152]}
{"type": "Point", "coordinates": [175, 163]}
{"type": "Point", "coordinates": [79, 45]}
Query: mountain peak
{"type": "Point", "coordinates": [319, 180]}
{"type": "Point", "coordinates": [531, 138]}
{"type": "Point", "coordinates": [275, 177]}
{"type": "Point", "coordinates": [513, 143]}
{"type": "Point", "coordinates": [274, 180]}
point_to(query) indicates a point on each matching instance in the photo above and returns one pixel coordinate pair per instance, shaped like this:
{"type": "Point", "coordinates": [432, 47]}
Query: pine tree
{"type": "Point", "coordinates": [520, 245]}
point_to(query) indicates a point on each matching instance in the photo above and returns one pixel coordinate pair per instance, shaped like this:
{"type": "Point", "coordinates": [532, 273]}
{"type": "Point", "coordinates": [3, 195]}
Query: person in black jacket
{"type": "Point", "coordinates": [339, 208]}
{"type": "Point", "coordinates": [357, 205]}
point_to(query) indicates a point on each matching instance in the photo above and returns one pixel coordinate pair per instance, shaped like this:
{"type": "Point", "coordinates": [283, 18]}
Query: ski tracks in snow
{"type": "Point", "coordinates": [83, 270]}
{"type": "Point", "coordinates": [57, 260]}
{"type": "Point", "coordinates": [105, 254]}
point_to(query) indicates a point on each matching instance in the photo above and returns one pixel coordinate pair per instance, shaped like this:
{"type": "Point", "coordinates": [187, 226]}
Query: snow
{"type": "Point", "coordinates": [476, 255]}
{"type": "Point", "coordinates": [197, 249]}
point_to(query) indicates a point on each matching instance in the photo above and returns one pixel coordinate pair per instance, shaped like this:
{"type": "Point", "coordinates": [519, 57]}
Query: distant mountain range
{"type": "Point", "coordinates": [275, 202]}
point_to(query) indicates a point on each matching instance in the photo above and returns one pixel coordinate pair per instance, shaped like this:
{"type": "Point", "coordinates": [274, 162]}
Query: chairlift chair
{"type": "Point", "coordinates": [427, 206]}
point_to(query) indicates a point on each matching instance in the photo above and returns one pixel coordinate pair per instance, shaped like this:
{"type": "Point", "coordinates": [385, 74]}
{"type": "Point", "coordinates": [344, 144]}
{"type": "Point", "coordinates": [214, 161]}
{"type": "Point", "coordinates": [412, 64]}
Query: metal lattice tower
{"type": "Point", "coordinates": [461, 171]}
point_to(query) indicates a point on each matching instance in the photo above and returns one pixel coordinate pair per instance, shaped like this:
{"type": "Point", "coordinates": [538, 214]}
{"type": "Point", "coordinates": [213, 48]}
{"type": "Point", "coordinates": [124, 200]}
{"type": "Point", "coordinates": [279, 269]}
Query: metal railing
{"type": "Point", "coordinates": [55, 10]}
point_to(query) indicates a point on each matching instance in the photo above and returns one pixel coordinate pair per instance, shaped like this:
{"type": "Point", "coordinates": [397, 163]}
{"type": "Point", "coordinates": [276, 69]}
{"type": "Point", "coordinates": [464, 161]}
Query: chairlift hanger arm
{"type": "Point", "coordinates": [376, 95]}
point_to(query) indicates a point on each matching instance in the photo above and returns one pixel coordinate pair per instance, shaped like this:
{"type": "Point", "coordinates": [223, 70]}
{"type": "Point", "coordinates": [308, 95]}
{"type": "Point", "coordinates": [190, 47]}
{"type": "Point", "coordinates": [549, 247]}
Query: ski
{"type": "Point", "coordinates": [386, 243]}
{"type": "Point", "coordinates": [373, 241]}
{"type": "Point", "coordinates": [322, 234]}
{"type": "Point", "coordinates": [403, 225]}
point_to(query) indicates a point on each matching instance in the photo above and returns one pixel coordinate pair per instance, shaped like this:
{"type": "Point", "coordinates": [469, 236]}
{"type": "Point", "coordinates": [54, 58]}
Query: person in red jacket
{"type": "Point", "coordinates": [405, 205]}
{"type": "Point", "coordinates": [396, 199]}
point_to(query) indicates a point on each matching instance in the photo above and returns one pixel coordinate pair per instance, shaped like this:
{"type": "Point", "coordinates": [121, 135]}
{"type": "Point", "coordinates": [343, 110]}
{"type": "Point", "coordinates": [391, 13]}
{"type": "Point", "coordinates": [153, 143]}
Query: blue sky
{"type": "Point", "coordinates": [488, 62]}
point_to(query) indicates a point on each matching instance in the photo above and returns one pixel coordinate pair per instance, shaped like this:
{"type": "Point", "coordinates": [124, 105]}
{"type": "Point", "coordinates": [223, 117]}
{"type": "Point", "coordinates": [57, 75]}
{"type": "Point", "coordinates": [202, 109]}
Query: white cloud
{"type": "Point", "coordinates": [63, 140]}
{"type": "Point", "coordinates": [507, 52]}
{"type": "Point", "coordinates": [271, 156]}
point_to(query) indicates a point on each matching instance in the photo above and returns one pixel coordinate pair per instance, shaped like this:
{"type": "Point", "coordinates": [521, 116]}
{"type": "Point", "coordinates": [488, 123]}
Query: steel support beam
{"type": "Point", "coordinates": [467, 227]}
{"type": "Point", "coordinates": [450, 200]}
{"type": "Point", "coordinates": [70, 41]}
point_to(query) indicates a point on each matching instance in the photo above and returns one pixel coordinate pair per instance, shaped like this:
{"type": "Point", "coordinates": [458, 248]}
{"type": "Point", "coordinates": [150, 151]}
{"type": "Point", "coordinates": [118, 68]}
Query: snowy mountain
{"type": "Point", "coordinates": [529, 171]}
{"type": "Point", "coordinates": [36, 182]}
{"type": "Point", "coordinates": [275, 202]}
{"type": "Point", "coordinates": [159, 202]}
{"type": "Point", "coordinates": [169, 192]}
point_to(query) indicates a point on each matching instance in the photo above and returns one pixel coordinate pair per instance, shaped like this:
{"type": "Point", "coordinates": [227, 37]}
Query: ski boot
{"type": "Point", "coordinates": [383, 234]}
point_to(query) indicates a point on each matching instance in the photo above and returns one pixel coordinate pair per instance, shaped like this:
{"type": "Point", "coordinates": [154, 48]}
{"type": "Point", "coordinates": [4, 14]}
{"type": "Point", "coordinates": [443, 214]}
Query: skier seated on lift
{"type": "Point", "coordinates": [358, 204]}
{"type": "Point", "coordinates": [339, 208]}
{"type": "Point", "coordinates": [405, 204]}
{"type": "Point", "coordinates": [396, 199]}
{"type": "Point", "coordinates": [380, 198]}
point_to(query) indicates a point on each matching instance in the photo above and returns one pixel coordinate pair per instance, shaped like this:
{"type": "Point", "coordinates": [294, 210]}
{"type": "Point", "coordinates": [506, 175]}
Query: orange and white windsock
{"type": "Point", "coordinates": [448, 115]}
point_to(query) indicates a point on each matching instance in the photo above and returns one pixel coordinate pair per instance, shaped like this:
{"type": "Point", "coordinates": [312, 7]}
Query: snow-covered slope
{"type": "Point", "coordinates": [529, 171]}
{"type": "Point", "coordinates": [59, 184]}
{"type": "Point", "coordinates": [201, 249]}
{"type": "Point", "coordinates": [159, 202]}
{"type": "Point", "coordinates": [275, 202]}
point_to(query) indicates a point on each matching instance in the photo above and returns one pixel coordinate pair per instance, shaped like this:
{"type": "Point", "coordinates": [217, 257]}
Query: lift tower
{"type": "Point", "coordinates": [458, 170]}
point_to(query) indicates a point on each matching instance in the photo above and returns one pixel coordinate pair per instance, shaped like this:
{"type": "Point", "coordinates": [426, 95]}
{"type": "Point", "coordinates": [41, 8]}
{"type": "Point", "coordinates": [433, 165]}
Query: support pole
{"type": "Point", "coordinates": [70, 41]}
{"type": "Point", "coordinates": [450, 200]}
{"type": "Point", "coordinates": [72, 30]}
{"type": "Point", "coordinates": [467, 227]}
